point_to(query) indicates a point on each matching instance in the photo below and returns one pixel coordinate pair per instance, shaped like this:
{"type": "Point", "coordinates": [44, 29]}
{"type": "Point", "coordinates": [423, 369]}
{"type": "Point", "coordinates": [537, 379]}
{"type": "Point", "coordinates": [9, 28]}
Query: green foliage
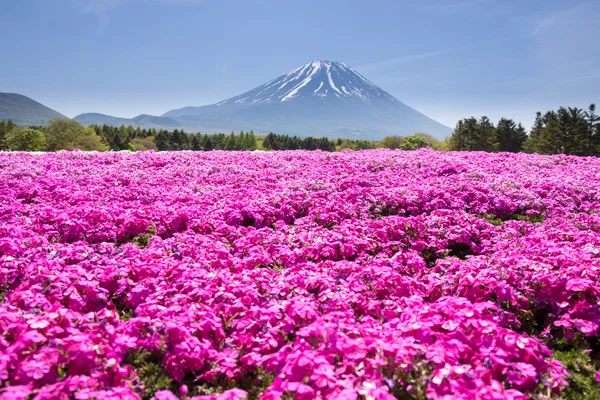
{"type": "Point", "coordinates": [5, 127]}
{"type": "Point", "coordinates": [582, 383]}
{"type": "Point", "coordinates": [390, 142]}
{"type": "Point", "coordinates": [492, 219]}
{"type": "Point", "coordinates": [143, 239]}
{"type": "Point", "coordinates": [282, 142]}
{"type": "Point", "coordinates": [231, 143]}
{"type": "Point", "coordinates": [148, 367]}
{"type": "Point", "coordinates": [64, 134]}
{"type": "Point", "coordinates": [25, 139]}
{"type": "Point", "coordinates": [591, 140]}
{"type": "Point", "coordinates": [414, 142]}
{"type": "Point", "coordinates": [195, 143]}
{"type": "Point", "coordinates": [510, 136]}
{"type": "Point", "coordinates": [499, 220]}
{"type": "Point", "coordinates": [144, 143]}
{"type": "Point", "coordinates": [567, 130]}
{"type": "Point", "coordinates": [471, 134]}
{"type": "Point", "coordinates": [349, 144]}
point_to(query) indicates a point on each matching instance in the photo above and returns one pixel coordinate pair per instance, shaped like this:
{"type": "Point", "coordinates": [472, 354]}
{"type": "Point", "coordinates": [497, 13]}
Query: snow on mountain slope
{"type": "Point", "coordinates": [316, 79]}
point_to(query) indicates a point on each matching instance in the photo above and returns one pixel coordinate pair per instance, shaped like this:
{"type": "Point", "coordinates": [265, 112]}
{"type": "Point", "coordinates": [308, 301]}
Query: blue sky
{"type": "Point", "coordinates": [447, 58]}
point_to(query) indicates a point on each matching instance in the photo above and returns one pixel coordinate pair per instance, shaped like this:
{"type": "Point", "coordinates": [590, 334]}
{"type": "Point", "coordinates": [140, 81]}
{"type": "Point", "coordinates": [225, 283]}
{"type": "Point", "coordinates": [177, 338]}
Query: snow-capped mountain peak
{"type": "Point", "coordinates": [321, 98]}
{"type": "Point", "coordinates": [325, 79]}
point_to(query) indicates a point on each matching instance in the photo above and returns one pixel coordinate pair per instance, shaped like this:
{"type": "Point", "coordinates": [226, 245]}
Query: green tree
{"type": "Point", "coordinates": [92, 142]}
{"type": "Point", "coordinates": [5, 127]}
{"type": "Point", "coordinates": [430, 140]}
{"type": "Point", "coordinates": [162, 139]}
{"type": "Point", "coordinates": [463, 135]}
{"type": "Point", "coordinates": [195, 143]}
{"type": "Point", "coordinates": [208, 145]}
{"type": "Point", "coordinates": [413, 142]}
{"type": "Point", "coordinates": [592, 134]}
{"type": "Point", "coordinates": [65, 134]}
{"type": "Point", "coordinates": [144, 143]}
{"type": "Point", "coordinates": [25, 139]}
{"type": "Point", "coordinates": [572, 128]}
{"type": "Point", "coordinates": [252, 143]}
{"type": "Point", "coordinates": [179, 140]}
{"type": "Point", "coordinates": [231, 143]}
{"type": "Point", "coordinates": [510, 136]}
{"type": "Point", "coordinates": [471, 134]}
{"type": "Point", "coordinates": [485, 139]}
{"type": "Point", "coordinates": [391, 142]}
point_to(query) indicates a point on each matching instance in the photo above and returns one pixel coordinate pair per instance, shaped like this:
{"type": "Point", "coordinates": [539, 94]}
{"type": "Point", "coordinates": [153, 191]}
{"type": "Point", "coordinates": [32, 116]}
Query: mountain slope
{"type": "Point", "coordinates": [321, 98]}
{"type": "Point", "coordinates": [25, 111]}
{"type": "Point", "coordinates": [143, 121]}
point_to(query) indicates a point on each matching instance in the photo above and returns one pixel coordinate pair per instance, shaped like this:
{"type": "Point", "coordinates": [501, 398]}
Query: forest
{"type": "Point", "coordinates": [568, 130]}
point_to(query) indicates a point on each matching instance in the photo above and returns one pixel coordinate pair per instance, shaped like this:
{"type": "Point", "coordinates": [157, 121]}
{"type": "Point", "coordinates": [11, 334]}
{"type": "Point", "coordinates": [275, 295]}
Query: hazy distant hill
{"type": "Point", "coordinates": [25, 111]}
{"type": "Point", "coordinates": [143, 121]}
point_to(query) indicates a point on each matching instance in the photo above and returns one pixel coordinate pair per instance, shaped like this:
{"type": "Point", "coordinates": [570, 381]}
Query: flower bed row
{"type": "Point", "coordinates": [301, 275]}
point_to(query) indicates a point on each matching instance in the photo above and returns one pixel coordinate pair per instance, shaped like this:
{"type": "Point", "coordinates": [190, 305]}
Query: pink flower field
{"type": "Point", "coordinates": [298, 275]}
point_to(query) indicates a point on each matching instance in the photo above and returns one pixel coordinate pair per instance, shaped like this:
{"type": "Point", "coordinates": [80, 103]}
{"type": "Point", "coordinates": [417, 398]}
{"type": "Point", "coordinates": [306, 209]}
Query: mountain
{"type": "Point", "coordinates": [322, 98]}
{"type": "Point", "coordinates": [143, 121]}
{"type": "Point", "coordinates": [25, 111]}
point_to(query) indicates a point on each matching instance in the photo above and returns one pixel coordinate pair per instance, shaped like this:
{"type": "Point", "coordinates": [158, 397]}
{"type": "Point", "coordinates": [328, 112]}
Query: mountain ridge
{"type": "Point", "coordinates": [142, 120]}
{"type": "Point", "coordinates": [25, 111]}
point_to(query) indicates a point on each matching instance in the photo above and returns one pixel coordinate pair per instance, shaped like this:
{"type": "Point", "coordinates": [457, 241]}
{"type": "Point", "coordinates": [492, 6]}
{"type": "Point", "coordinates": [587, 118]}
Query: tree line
{"type": "Point", "coordinates": [568, 130]}
{"type": "Point", "coordinates": [59, 134]}
{"type": "Point", "coordinates": [64, 134]}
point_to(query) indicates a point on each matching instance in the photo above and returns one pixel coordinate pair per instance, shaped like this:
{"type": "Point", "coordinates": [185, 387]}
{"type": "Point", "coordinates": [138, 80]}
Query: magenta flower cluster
{"type": "Point", "coordinates": [300, 275]}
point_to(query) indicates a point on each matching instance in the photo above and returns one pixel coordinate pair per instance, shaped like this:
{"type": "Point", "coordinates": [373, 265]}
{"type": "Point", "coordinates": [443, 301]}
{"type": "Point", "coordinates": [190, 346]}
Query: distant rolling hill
{"type": "Point", "coordinates": [25, 111]}
{"type": "Point", "coordinates": [143, 121]}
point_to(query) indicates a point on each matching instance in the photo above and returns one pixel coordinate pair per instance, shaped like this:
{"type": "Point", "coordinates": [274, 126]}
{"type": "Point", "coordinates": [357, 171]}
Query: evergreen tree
{"type": "Point", "coordinates": [195, 143]}
{"type": "Point", "coordinates": [176, 140]}
{"type": "Point", "coordinates": [471, 134]}
{"type": "Point", "coordinates": [269, 142]}
{"type": "Point", "coordinates": [463, 135]}
{"type": "Point", "coordinates": [486, 136]}
{"type": "Point", "coordinates": [252, 143]}
{"type": "Point", "coordinates": [592, 134]}
{"type": "Point", "coordinates": [3, 132]}
{"type": "Point", "coordinates": [520, 136]}
{"type": "Point", "coordinates": [208, 146]}
{"type": "Point", "coordinates": [163, 140]}
{"type": "Point", "coordinates": [231, 143]}
{"type": "Point", "coordinates": [509, 136]}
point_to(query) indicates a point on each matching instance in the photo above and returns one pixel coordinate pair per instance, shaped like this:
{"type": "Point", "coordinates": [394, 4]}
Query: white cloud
{"type": "Point", "coordinates": [392, 62]}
